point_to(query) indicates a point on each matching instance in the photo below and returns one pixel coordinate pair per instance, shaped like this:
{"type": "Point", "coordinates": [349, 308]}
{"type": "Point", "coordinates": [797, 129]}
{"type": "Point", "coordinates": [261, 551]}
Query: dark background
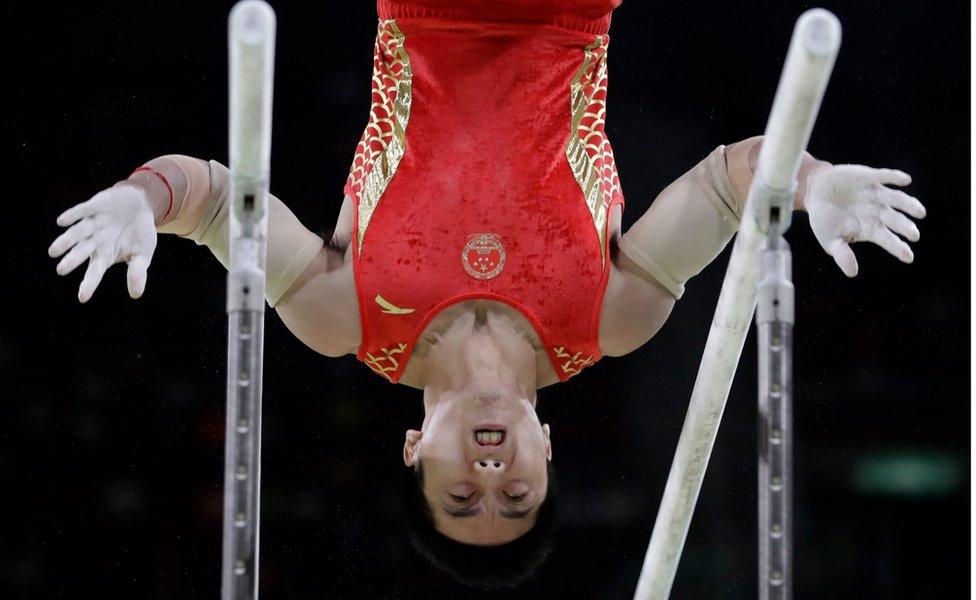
{"type": "Point", "coordinates": [111, 439]}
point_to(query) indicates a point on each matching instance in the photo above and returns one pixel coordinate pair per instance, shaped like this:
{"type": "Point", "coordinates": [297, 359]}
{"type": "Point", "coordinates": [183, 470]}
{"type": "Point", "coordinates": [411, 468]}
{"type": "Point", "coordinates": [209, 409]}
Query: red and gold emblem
{"type": "Point", "coordinates": [483, 256]}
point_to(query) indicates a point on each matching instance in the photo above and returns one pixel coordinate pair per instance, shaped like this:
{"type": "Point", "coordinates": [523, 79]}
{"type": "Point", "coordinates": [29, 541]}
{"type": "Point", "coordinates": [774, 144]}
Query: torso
{"type": "Point", "coordinates": [436, 166]}
{"type": "Point", "coordinates": [617, 299]}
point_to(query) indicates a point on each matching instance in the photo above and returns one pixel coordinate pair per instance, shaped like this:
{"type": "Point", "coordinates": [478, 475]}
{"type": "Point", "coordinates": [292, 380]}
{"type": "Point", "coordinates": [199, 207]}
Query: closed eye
{"type": "Point", "coordinates": [460, 499]}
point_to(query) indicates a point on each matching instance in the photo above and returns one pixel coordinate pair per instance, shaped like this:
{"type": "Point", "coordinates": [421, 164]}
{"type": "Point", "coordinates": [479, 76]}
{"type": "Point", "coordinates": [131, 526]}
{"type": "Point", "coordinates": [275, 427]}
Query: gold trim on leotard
{"type": "Point", "coordinates": [588, 149]}
{"type": "Point", "coordinates": [574, 362]}
{"type": "Point", "coordinates": [380, 149]}
{"type": "Point", "coordinates": [390, 308]}
{"type": "Point", "coordinates": [387, 362]}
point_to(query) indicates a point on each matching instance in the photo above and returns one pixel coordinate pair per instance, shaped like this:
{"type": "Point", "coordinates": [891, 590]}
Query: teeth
{"type": "Point", "coordinates": [489, 438]}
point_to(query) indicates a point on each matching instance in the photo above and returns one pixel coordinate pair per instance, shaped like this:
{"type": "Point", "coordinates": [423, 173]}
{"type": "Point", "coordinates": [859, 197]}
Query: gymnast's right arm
{"type": "Point", "coordinates": [189, 197]}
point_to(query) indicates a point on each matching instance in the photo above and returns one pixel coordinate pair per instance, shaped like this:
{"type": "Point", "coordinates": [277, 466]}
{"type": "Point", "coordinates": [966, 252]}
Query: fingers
{"type": "Point", "coordinates": [78, 255]}
{"type": "Point", "coordinates": [69, 238]}
{"type": "Point", "coordinates": [903, 202]}
{"type": "Point", "coordinates": [80, 211]}
{"type": "Point", "coordinates": [843, 256]}
{"type": "Point", "coordinates": [890, 176]}
{"type": "Point", "coordinates": [97, 266]}
{"type": "Point", "coordinates": [892, 244]}
{"type": "Point", "coordinates": [900, 224]}
{"type": "Point", "coordinates": [136, 275]}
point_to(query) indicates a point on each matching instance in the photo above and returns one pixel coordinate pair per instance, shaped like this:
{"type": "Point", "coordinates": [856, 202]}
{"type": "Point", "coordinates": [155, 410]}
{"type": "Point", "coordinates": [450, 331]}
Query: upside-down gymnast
{"type": "Point", "coordinates": [478, 253]}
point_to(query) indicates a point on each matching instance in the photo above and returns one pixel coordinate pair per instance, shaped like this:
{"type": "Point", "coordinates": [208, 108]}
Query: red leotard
{"type": "Point", "coordinates": [484, 172]}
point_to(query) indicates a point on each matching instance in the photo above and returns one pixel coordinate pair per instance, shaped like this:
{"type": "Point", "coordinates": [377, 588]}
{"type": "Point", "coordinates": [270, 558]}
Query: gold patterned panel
{"type": "Point", "coordinates": [387, 361]}
{"type": "Point", "coordinates": [384, 140]}
{"type": "Point", "coordinates": [574, 363]}
{"type": "Point", "coordinates": [588, 149]}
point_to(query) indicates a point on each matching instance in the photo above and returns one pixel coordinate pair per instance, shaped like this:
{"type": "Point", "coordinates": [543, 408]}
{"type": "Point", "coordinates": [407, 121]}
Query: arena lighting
{"type": "Point", "coordinates": [908, 473]}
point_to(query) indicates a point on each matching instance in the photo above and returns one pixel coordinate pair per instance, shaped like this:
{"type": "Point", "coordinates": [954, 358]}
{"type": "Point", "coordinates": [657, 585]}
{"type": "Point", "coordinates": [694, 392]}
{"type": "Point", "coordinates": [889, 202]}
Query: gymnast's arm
{"type": "Point", "coordinates": [321, 307]}
{"type": "Point", "coordinates": [188, 197]}
{"type": "Point", "coordinates": [694, 218]}
{"type": "Point", "coordinates": [685, 228]}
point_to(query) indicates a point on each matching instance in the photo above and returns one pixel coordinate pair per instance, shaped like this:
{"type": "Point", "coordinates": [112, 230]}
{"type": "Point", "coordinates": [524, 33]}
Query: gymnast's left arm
{"type": "Point", "coordinates": [694, 218]}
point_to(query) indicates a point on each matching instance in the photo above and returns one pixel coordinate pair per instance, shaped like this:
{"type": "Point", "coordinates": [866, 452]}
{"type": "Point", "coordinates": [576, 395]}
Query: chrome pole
{"type": "Point", "coordinates": [251, 49]}
{"type": "Point", "coordinates": [774, 320]}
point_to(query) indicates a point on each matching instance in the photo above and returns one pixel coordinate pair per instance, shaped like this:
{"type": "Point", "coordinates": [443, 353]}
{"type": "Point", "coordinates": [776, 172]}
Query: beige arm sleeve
{"type": "Point", "coordinates": [201, 214]}
{"type": "Point", "coordinates": [688, 224]}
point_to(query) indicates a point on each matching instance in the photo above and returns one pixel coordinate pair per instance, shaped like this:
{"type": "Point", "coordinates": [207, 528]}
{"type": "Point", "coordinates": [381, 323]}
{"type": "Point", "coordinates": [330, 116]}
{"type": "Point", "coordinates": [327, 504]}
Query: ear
{"type": "Point", "coordinates": [546, 432]}
{"type": "Point", "coordinates": [410, 445]}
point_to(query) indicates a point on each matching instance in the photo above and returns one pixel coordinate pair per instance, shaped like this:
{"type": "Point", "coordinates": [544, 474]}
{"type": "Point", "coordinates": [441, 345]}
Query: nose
{"type": "Point", "coordinates": [489, 466]}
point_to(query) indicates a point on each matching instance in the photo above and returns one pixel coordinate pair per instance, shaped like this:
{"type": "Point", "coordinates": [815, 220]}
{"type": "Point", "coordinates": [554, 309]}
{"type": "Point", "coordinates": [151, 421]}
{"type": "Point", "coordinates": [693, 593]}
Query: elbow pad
{"type": "Point", "coordinates": [687, 225]}
{"type": "Point", "coordinates": [290, 246]}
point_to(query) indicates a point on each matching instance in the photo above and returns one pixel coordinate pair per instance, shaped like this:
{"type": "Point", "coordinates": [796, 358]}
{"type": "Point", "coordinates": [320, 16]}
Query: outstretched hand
{"type": "Point", "coordinates": [851, 203]}
{"type": "Point", "coordinates": [116, 225]}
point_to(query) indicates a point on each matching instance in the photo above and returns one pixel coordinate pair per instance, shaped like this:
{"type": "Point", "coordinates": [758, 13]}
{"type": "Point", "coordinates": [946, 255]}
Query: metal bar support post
{"type": "Point", "coordinates": [251, 48]}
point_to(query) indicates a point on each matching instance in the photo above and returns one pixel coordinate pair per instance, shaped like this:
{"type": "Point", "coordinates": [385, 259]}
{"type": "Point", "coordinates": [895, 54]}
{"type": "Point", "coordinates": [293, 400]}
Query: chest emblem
{"type": "Point", "coordinates": [483, 256]}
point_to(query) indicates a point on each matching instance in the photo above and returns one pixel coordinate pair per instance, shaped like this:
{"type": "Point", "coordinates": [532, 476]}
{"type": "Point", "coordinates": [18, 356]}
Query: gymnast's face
{"type": "Point", "coordinates": [484, 465]}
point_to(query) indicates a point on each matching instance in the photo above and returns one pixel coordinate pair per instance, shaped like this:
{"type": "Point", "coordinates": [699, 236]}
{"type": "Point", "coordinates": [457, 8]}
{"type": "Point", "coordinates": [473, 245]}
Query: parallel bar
{"type": "Point", "coordinates": [251, 49]}
{"type": "Point", "coordinates": [809, 62]}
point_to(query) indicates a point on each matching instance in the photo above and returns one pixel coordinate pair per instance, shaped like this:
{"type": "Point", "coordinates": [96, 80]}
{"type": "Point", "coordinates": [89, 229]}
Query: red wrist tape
{"type": "Point", "coordinates": [165, 181]}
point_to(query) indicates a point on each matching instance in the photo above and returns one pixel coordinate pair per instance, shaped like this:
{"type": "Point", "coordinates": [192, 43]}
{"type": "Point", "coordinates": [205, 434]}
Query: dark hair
{"type": "Point", "coordinates": [486, 567]}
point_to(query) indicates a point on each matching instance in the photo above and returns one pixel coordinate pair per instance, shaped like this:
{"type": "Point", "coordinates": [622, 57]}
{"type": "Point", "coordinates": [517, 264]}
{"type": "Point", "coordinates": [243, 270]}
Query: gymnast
{"type": "Point", "coordinates": [478, 253]}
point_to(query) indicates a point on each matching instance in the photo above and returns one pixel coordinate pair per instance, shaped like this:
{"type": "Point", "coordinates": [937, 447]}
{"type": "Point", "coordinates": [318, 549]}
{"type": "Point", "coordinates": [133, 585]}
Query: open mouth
{"type": "Point", "coordinates": [489, 437]}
